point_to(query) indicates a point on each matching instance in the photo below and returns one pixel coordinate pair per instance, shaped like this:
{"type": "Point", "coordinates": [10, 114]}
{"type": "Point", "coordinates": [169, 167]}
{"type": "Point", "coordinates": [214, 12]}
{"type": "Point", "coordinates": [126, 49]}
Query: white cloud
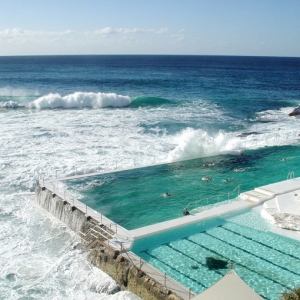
{"type": "Point", "coordinates": [19, 41]}
{"type": "Point", "coordinates": [109, 30]}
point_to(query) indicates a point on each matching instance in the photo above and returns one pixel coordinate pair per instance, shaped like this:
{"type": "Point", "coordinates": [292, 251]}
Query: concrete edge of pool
{"type": "Point", "coordinates": [122, 239]}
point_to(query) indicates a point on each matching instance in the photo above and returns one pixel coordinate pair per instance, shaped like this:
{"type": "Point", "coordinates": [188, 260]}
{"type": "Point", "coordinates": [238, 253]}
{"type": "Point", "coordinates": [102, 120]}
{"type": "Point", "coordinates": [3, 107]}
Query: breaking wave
{"type": "Point", "coordinates": [194, 143]}
{"type": "Point", "coordinates": [80, 100]}
{"type": "Point", "coordinates": [10, 104]}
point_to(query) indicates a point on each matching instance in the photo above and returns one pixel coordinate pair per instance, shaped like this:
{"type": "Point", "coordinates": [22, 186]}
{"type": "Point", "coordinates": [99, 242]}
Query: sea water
{"type": "Point", "coordinates": [71, 115]}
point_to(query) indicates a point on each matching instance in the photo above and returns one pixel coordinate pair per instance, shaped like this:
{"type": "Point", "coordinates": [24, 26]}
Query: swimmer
{"type": "Point", "coordinates": [186, 212]}
{"type": "Point", "coordinates": [165, 195]}
{"type": "Point", "coordinates": [194, 267]}
{"type": "Point", "coordinates": [209, 164]}
{"type": "Point", "coordinates": [283, 159]}
{"type": "Point", "coordinates": [227, 180]}
{"type": "Point", "coordinates": [239, 169]}
{"type": "Point", "coordinates": [205, 178]}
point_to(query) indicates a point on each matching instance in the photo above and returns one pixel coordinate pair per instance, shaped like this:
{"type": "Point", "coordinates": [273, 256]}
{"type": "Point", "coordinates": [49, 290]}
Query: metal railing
{"type": "Point", "coordinates": [213, 199]}
{"type": "Point", "coordinates": [159, 276]}
{"type": "Point", "coordinates": [290, 176]}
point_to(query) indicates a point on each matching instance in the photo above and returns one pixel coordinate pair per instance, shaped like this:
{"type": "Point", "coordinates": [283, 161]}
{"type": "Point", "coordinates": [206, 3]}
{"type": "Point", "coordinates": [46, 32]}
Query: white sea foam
{"type": "Point", "coordinates": [276, 128]}
{"type": "Point", "coordinates": [80, 100]}
{"type": "Point", "coordinates": [193, 143]}
{"type": "Point", "coordinates": [10, 104]}
{"type": "Point", "coordinates": [38, 259]}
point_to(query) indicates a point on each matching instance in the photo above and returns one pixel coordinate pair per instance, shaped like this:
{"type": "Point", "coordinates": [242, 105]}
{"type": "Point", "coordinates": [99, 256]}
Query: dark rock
{"type": "Point", "coordinates": [295, 112]}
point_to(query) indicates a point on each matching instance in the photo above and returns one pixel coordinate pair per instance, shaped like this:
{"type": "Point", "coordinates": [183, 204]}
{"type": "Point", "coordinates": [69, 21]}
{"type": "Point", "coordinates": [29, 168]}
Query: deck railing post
{"type": "Point", "coordinates": [189, 293]}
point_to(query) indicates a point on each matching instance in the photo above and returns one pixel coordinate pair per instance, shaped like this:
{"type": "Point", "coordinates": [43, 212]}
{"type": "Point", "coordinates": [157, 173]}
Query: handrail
{"type": "Point", "coordinates": [290, 176]}
{"type": "Point", "coordinates": [213, 197]}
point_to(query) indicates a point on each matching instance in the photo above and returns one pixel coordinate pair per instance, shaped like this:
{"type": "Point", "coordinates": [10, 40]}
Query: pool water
{"type": "Point", "coordinates": [134, 198]}
{"type": "Point", "coordinates": [269, 263]}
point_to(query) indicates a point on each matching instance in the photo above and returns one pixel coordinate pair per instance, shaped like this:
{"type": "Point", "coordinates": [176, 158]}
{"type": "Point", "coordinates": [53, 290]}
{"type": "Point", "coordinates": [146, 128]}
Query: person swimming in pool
{"type": "Point", "coordinates": [165, 195]}
{"type": "Point", "coordinates": [186, 212]}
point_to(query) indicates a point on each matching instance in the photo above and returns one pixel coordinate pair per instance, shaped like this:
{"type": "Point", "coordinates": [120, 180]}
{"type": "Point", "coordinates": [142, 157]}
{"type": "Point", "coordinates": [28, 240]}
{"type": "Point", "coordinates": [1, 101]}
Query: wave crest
{"type": "Point", "coordinates": [148, 101]}
{"type": "Point", "coordinates": [80, 100]}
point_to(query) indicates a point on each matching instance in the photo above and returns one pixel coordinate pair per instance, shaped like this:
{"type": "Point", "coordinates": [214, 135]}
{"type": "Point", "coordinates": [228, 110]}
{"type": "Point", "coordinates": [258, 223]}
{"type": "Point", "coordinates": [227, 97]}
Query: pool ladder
{"type": "Point", "coordinates": [290, 176]}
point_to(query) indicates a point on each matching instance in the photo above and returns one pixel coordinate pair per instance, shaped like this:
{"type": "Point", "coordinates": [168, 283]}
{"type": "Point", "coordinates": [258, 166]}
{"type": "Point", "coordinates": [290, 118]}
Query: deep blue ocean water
{"type": "Point", "coordinates": [69, 115]}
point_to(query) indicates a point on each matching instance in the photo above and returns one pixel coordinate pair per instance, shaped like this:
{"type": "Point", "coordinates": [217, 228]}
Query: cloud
{"type": "Point", "coordinates": [108, 30]}
{"type": "Point", "coordinates": [17, 32]}
{"type": "Point", "coordinates": [19, 41]}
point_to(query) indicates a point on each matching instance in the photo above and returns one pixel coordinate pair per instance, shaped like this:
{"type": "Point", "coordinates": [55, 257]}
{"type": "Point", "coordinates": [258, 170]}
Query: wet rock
{"type": "Point", "coordinates": [295, 112]}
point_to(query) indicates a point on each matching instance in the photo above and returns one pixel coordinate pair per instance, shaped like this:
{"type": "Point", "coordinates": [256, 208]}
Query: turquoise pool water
{"type": "Point", "coordinates": [134, 198]}
{"type": "Point", "coordinates": [269, 263]}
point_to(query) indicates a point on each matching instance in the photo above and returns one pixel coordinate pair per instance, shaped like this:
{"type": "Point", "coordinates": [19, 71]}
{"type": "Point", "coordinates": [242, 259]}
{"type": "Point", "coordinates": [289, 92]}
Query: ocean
{"type": "Point", "coordinates": [71, 115]}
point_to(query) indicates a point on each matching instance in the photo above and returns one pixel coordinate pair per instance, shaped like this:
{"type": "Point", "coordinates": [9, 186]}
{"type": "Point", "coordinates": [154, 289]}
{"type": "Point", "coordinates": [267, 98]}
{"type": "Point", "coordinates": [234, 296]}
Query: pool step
{"type": "Point", "coordinates": [253, 195]}
{"type": "Point", "coordinates": [265, 191]}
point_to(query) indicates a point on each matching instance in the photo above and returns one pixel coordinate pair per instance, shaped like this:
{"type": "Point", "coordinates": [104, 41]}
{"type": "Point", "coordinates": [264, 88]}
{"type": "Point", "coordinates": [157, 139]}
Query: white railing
{"type": "Point", "coordinates": [290, 176]}
{"type": "Point", "coordinates": [209, 200]}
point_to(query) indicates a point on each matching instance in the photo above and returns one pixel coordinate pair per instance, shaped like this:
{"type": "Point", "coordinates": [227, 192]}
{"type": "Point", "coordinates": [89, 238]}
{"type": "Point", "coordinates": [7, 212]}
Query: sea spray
{"type": "Point", "coordinates": [196, 143]}
{"type": "Point", "coordinates": [193, 143]}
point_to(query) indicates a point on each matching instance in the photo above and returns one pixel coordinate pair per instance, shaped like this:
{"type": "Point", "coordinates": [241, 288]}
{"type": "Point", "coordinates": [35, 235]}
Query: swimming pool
{"type": "Point", "coordinates": [267, 262]}
{"type": "Point", "coordinates": [134, 198]}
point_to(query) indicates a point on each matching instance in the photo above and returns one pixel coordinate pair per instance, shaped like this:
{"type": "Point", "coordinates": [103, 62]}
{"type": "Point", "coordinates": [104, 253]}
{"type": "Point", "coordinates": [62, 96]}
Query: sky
{"type": "Point", "coordinates": [187, 27]}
